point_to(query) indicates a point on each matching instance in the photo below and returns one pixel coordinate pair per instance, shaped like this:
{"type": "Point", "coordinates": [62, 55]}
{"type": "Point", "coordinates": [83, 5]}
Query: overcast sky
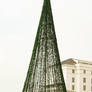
{"type": "Point", "coordinates": [18, 26]}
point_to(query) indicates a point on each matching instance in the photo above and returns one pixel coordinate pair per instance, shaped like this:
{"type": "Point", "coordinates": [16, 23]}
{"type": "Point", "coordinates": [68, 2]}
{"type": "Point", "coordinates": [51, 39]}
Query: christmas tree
{"type": "Point", "coordinates": [45, 70]}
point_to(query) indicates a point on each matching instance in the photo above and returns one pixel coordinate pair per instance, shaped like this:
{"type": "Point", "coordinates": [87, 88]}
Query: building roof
{"type": "Point", "coordinates": [69, 61]}
{"type": "Point", "coordinates": [72, 61]}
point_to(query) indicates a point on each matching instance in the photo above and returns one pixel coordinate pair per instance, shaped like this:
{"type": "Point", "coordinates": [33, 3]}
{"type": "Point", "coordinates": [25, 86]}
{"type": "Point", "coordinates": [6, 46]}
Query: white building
{"type": "Point", "coordinates": [77, 75]}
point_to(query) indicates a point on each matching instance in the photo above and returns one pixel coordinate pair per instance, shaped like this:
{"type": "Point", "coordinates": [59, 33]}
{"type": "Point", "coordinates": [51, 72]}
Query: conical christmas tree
{"type": "Point", "coordinates": [45, 72]}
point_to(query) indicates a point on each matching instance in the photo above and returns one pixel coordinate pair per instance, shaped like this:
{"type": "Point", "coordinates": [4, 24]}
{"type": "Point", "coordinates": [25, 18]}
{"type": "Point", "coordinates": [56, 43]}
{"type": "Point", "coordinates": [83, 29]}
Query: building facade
{"type": "Point", "coordinates": [77, 75]}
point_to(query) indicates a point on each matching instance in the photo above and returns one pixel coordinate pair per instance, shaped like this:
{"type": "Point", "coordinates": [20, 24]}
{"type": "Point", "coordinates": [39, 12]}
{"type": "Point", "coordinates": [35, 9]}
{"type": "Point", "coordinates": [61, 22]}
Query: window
{"type": "Point", "coordinates": [84, 71]}
{"type": "Point", "coordinates": [84, 87]}
{"type": "Point", "coordinates": [73, 87]}
{"type": "Point", "coordinates": [84, 80]}
{"type": "Point", "coordinates": [91, 88]}
{"type": "Point", "coordinates": [73, 79]}
{"type": "Point", "coordinates": [73, 71]}
{"type": "Point", "coordinates": [91, 81]}
{"type": "Point", "coordinates": [91, 72]}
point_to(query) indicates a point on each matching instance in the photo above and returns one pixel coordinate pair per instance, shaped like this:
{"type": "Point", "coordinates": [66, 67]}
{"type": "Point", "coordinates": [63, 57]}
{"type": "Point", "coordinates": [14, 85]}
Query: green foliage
{"type": "Point", "coordinates": [45, 72]}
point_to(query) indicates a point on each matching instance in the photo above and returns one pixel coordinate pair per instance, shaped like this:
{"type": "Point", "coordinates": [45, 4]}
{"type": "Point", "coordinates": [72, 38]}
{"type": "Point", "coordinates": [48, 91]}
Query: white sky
{"type": "Point", "coordinates": [18, 26]}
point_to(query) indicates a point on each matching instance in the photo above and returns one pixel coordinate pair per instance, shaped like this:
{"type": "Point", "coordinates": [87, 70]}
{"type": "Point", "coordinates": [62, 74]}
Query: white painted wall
{"type": "Point", "coordinates": [78, 75]}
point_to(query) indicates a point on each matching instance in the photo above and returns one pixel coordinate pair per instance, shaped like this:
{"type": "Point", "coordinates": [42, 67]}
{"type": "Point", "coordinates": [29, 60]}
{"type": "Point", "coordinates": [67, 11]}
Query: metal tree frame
{"type": "Point", "coordinates": [45, 71]}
